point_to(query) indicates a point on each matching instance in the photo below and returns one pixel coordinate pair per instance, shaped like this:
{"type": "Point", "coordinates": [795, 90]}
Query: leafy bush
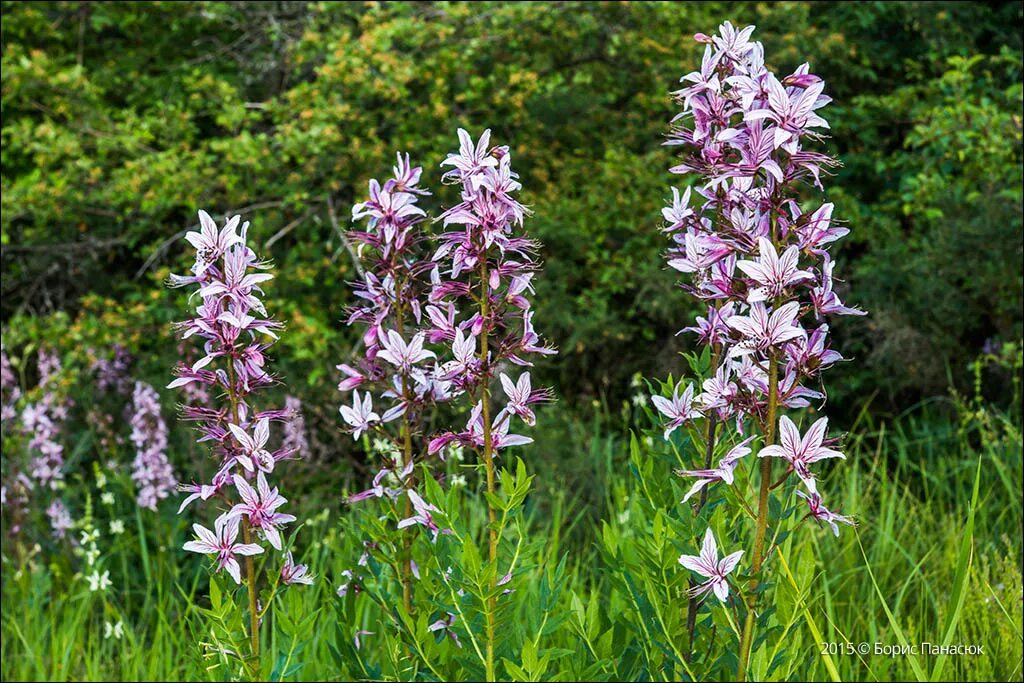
{"type": "Point", "coordinates": [121, 119]}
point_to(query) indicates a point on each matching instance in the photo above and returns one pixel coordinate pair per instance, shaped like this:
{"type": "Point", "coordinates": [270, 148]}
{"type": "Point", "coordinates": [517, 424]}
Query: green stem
{"type": "Point", "coordinates": [488, 456]}
{"type": "Point", "coordinates": [250, 567]}
{"type": "Point", "coordinates": [406, 559]}
{"type": "Point", "coordinates": [693, 604]}
{"type": "Point", "coordinates": [762, 518]}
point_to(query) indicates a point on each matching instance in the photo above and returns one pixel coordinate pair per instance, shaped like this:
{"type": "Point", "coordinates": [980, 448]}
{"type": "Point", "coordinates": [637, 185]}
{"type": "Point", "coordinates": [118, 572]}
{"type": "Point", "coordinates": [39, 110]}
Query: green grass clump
{"type": "Point", "coordinates": [919, 566]}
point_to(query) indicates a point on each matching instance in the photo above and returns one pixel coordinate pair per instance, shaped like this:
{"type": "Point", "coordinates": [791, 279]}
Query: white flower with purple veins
{"type": "Point", "coordinates": [260, 505]}
{"type": "Point", "coordinates": [385, 205]}
{"type": "Point", "coordinates": [819, 230]}
{"type": "Point", "coordinates": [519, 395]}
{"type": "Point", "coordinates": [732, 43]}
{"type": "Point", "coordinates": [826, 301]}
{"type": "Point", "coordinates": [378, 490]}
{"type": "Point", "coordinates": [679, 409]}
{"type": "Point", "coordinates": [501, 182]}
{"type": "Point", "coordinates": [719, 392]}
{"type": "Point", "coordinates": [799, 452]}
{"type": "Point", "coordinates": [210, 242]}
{"type": "Point", "coordinates": [406, 176]}
{"type": "Point", "coordinates": [221, 542]}
{"type": "Point", "coordinates": [403, 356]}
{"type": "Point", "coordinates": [244, 321]}
{"type": "Point", "coordinates": [772, 272]}
{"type": "Point", "coordinates": [705, 79]}
{"type": "Point", "coordinates": [811, 354]}
{"type": "Point", "coordinates": [254, 448]}
{"type": "Point", "coordinates": [360, 416]}
{"type": "Point", "coordinates": [237, 283]}
{"type": "Point", "coordinates": [423, 516]}
{"type": "Point", "coordinates": [762, 330]}
{"type": "Point", "coordinates": [723, 472]}
{"type": "Point", "coordinates": [196, 492]}
{"type": "Point", "coordinates": [464, 357]}
{"type": "Point", "coordinates": [292, 574]}
{"type": "Point", "coordinates": [792, 112]}
{"type": "Point", "coordinates": [820, 513]}
{"type": "Point", "coordinates": [517, 289]}
{"type": "Point", "coordinates": [712, 329]}
{"type": "Point", "coordinates": [471, 158]}
{"type": "Point", "coordinates": [500, 438]}
{"type": "Point", "coordinates": [530, 342]}
{"type": "Point", "coordinates": [680, 210]}
{"type": "Point", "coordinates": [746, 83]}
{"type": "Point", "coordinates": [701, 252]}
{"type": "Point", "coordinates": [709, 566]}
{"type": "Point", "coordinates": [388, 209]}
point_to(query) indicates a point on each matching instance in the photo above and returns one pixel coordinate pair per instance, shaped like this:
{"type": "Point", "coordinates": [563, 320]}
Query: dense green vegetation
{"type": "Point", "coordinates": [909, 482]}
{"type": "Point", "coordinates": [121, 119]}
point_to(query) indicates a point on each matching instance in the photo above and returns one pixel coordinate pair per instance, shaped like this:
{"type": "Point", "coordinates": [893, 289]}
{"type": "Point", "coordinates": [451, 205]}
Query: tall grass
{"type": "Point", "coordinates": [919, 568]}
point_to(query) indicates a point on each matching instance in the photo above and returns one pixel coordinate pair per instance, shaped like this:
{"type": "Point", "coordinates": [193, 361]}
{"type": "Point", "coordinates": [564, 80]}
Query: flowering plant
{"type": "Point", "coordinates": [236, 331]}
{"type": "Point", "coordinates": [444, 322]}
{"type": "Point", "coordinates": [35, 418]}
{"type": "Point", "coordinates": [760, 261]}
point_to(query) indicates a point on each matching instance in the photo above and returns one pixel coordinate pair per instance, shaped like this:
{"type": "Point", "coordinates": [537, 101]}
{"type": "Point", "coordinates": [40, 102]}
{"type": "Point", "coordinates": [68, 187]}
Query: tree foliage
{"type": "Point", "coordinates": [121, 119]}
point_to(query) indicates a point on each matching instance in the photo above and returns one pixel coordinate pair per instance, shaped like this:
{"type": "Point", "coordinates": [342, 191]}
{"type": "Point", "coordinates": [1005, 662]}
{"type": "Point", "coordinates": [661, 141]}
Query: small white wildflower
{"type": "Point", "coordinates": [90, 536]}
{"type": "Point", "coordinates": [385, 447]}
{"type": "Point", "coordinates": [639, 400]}
{"type": "Point", "coordinates": [456, 452]}
{"type": "Point", "coordinates": [101, 480]}
{"type": "Point", "coordinates": [113, 630]}
{"type": "Point", "coordinates": [117, 527]}
{"type": "Point", "coordinates": [458, 480]}
{"type": "Point", "coordinates": [91, 555]}
{"type": "Point", "coordinates": [98, 582]}
{"type": "Point", "coordinates": [107, 498]}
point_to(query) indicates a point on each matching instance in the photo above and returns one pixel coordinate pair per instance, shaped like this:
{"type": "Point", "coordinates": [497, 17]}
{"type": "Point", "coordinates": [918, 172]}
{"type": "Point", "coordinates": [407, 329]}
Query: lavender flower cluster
{"type": "Point", "coordinates": [236, 332]}
{"type": "Point", "coordinates": [113, 374]}
{"type": "Point", "coordinates": [420, 348]}
{"type": "Point", "coordinates": [151, 470]}
{"type": "Point", "coordinates": [758, 259]}
{"type": "Point", "coordinates": [41, 422]}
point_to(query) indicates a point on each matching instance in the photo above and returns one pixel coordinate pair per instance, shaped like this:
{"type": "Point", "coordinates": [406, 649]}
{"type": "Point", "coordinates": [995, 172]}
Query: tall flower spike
{"type": "Point", "coordinates": [151, 469]}
{"type": "Point", "coordinates": [760, 263]}
{"type": "Point", "coordinates": [486, 262]}
{"type": "Point", "coordinates": [396, 382]}
{"type": "Point", "coordinates": [236, 331]}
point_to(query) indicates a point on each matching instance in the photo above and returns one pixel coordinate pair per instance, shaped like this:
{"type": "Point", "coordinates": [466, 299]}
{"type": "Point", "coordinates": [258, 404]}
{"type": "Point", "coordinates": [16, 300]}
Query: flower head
{"type": "Point", "coordinates": [424, 515]}
{"type": "Point", "coordinates": [221, 542]}
{"type": "Point", "coordinates": [360, 415]}
{"type": "Point", "coordinates": [801, 452]}
{"type": "Point", "coordinates": [710, 567]}
{"type": "Point", "coordinates": [680, 409]}
{"type": "Point", "coordinates": [722, 472]}
{"type": "Point", "coordinates": [259, 506]}
{"type": "Point", "coordinates": [820, 513]}
{"type": "Point", "coordinates": [292, 573]}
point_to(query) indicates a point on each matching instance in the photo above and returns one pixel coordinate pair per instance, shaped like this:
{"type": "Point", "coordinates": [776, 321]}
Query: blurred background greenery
{"type": "Point", "coordinates": [121, 119]}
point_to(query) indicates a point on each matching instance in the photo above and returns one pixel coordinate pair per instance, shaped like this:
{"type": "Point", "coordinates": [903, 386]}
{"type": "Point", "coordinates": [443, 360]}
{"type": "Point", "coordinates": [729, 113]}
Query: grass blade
{"type": "Point", "coordinates": [919, 672]}
{"type": "Point", "coordinates": [963, 571]}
